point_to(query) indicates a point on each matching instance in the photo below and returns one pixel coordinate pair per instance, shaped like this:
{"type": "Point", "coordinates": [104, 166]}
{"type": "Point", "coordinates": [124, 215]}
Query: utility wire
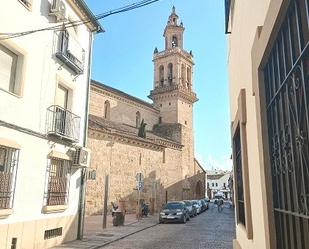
{"type": "Point", "coordinates": [69, 24]}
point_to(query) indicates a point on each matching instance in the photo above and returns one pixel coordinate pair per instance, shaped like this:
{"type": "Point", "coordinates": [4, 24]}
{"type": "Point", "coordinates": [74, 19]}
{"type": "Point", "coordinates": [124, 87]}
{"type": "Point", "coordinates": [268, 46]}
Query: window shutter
{"type": "Point", "coordinates": [8, 62]}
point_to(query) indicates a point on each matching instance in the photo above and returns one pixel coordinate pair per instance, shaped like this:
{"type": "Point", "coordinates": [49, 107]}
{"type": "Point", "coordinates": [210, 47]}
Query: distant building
{"type": "Point", "coordinates": [165, 157]}
{"type": "Point", "coordinates": [218, 182]}
{"type": "Point", "coordinates": [44, 86]}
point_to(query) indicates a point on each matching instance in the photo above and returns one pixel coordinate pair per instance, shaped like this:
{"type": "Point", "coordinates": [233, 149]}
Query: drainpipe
{"type": "Point", "coordinates": [82, 190]}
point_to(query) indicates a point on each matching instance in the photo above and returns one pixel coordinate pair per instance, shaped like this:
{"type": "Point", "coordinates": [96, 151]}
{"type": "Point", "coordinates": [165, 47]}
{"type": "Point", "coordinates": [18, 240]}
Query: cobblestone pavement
{"type": "Point", "coordinates": [210, 230]}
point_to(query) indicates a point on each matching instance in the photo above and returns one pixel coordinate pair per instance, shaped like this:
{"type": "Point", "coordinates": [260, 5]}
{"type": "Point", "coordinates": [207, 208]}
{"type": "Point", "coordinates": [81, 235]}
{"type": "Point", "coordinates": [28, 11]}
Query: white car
{"type": "Point", "coordinates": [198, 206]}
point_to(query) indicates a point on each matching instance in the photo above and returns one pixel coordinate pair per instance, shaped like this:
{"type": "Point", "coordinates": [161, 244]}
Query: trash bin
{"type": "Point", "coordinates": [118, 219]}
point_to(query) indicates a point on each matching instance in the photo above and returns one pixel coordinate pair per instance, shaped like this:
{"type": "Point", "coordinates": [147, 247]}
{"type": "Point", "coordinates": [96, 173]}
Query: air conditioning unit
{"type": "Point", "coordinates": [81, 157]}
{"type": "Point", "coordinates": [58, 10]}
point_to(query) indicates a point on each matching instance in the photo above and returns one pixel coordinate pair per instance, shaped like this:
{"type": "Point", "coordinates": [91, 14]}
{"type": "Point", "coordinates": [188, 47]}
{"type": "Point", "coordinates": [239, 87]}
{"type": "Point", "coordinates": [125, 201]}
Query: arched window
{"type": "Point", "coordinates": [138, 119]}
{"type": "Point", "coordinates": [189, 77]}
{"type": "Point", "coordinates": [161, 75]}
{"type": "Point", "coordinates": [174, 41]}
{"type": "Point", "coordinates": [183, 74]}
{"type": "Point", "coordinates": [170, 73]}
{"type": "Point", "coordinates": [107, 108]}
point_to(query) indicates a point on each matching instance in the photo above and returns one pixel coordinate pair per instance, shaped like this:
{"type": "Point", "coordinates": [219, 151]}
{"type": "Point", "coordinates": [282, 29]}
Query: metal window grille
{"type": "Point", "coordinates": [66, 57]}
{"type": "Point", "coordinates": [58, 173]}
{"type": "Point", "coordinates": [8, 168]}
{"type": "Point", "coordinates": [52, 233]}
{"type": "Point", "coordinates": [241, 218]}
{"type": "Point", "coordinates": [63, 123]}
{"type": "Point", "coordinates": [286, 83]}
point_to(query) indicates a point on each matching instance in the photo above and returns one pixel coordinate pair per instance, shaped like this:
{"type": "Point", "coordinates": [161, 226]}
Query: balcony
{"type": "Point", "coordinates": [63, 124]}
{"type": "Point", "coordinates": [70, 53]}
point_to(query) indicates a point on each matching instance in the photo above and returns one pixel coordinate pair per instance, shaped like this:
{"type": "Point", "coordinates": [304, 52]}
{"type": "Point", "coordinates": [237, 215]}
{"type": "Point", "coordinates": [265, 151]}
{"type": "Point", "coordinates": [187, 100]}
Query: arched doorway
{"type": "Point", "coordinates": [198, 190]}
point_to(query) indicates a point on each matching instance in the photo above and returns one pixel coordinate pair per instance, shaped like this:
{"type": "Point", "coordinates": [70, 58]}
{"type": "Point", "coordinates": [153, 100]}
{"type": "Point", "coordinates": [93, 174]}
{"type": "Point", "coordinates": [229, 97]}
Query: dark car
{"type": "Point", "coordinates": [203, 205]}
{"type": "Point", "coordinates": [191, 208]}
{"type": "Point", "coordinates": [174, 211]}
{"type": "Point", "coordinates": [206, 200]}
{"type": "Point", "coordinates": [218, 197]}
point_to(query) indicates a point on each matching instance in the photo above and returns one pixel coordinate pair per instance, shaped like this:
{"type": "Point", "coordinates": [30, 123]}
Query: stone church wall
{"type": "Point", "coordinates": [161, 169]}
{"type": "Point", "coordinates": [122, 110]}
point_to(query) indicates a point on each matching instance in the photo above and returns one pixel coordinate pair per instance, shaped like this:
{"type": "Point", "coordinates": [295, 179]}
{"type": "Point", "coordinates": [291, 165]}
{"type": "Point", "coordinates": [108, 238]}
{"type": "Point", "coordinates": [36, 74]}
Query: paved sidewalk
{"type": "Point", "coordinates": [95, 239]}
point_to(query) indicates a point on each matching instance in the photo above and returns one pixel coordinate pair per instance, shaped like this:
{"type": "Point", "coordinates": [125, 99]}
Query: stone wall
{"type": "Point", "coordinates": [169, 131]}
{"type": "Point", "coordinates": [161, 169]}
{"type": "Point", "coordinates": [122, 110]}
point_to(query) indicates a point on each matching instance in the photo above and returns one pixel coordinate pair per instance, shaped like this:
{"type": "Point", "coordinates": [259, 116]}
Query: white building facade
{"type": "Point", "coordinates": [44, 86]}
{"type": "Point", "coordinates": [218, 182]}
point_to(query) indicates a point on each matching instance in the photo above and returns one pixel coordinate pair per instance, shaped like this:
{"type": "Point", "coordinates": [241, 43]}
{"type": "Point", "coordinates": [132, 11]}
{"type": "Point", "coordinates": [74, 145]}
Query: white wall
{"type": "Point", "coordinates": [41, 72]}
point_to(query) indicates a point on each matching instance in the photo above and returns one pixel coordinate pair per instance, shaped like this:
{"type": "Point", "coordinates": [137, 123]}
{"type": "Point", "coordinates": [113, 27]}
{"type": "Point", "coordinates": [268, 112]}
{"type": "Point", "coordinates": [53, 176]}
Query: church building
{"type": "Point", "coordinates": [163, 153]}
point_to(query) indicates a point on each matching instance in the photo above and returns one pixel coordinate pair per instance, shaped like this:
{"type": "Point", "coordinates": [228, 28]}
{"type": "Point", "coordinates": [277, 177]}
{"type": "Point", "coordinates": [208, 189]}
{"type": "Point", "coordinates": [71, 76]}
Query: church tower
{"type": "Point", "coordinates": [172, 90]}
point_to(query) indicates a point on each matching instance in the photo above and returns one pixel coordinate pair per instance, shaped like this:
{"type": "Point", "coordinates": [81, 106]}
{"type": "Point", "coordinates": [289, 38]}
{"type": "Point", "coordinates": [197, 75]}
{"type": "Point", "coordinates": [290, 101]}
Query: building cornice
{"type": "Point", "coordinates": [122, 137]}
{"type": "Point", "coordinates": [173, 91]}
{"type": "Point", "coordinates": [84, 12]}
{"type": "Point", "coordinates": [174, 51]}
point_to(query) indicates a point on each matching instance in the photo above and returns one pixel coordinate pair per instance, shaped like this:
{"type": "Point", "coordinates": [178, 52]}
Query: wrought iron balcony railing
{"type": "Point", "coordinates": [63, 123]}
{"type": "Point", "coordinates": [69, 56]}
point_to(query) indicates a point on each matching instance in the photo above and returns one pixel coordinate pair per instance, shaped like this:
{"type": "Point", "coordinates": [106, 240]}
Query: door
{"type": "Point", "coordinates": [62, 117]}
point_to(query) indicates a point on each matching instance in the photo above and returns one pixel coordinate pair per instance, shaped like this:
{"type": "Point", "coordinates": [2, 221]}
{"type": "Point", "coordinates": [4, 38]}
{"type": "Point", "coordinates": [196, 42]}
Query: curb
{"type": "Point", "coordinates": [124, 236]}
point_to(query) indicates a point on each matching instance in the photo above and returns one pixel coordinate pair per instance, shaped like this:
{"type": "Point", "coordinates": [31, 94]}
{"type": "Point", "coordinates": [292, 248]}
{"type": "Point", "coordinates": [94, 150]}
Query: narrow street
{"type": "Point", "coordinates": [210, 230]}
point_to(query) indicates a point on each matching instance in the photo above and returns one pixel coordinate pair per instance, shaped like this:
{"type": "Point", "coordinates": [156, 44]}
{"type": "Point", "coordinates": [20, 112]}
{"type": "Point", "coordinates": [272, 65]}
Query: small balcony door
{"type": "Point", "coordinates": [61, 102]}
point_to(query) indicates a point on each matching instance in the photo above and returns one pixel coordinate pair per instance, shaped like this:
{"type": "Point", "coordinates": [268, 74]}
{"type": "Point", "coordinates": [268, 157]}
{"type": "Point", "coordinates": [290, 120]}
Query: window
{"type": "Point", "coordinates": [189, 77]}
{"type": "Point", "coordinates": [161, 75]}
{"type": "Point", "coordinates": [160, 120]}
{"type": "Point", "coordinates": [170, 73]}
{"type": "Point", "coordinates": [239, 179]}
{"type": "Point", "coordinates": [8, 168]}
{"type": "Point", "coordinates": [138, 119]}
{"type": "Point", "coordinates": [224, 185]}
{"type": "Point", "coordinates": [240, 164]}
{"type": "Point", "coordinates": [8, 69]}
{"type": "Point", "coordinates": [174, 41]}
{"type": "Point", "coordinates": [61, 121]}
{"type": "Point", "coordinates": [62, 96]}
{"type": "Point", "coordinates": [58, 176]}
{"type": "Point", "coordinates": [107, 110]}
{"type": "Point", "coordinates": [183, 74]}
{"type": "Point", "coordinates": [70, 51]}
{"type": "Point", "coordinates": [212, 184]}
{"type": "Point", "coordinates": [216, 184]}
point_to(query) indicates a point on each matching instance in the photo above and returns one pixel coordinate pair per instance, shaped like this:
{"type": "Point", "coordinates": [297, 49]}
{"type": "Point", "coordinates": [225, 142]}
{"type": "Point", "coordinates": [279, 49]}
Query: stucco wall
{"type": "Point", "coordinates": [246, 17]}
{"type": "Point", "coordinates": [38, 76]}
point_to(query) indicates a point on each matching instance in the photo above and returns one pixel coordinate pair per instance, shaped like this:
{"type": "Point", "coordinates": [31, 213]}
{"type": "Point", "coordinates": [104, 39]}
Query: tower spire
{"type": "Point", "coordinates": [173, 10]}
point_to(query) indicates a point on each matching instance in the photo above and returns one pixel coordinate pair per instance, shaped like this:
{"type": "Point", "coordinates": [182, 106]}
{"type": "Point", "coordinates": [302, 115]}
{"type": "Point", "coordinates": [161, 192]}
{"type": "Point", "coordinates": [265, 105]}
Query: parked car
{"type": "Point", "coordinates": [206, 200]}
{"type": "Point", "coordinates": [218, 197]}
{"type": "Point", "coordinates": [203, 204]}
{"type": "Point", "coordinates": [197, 206]}
{"type": "Point", "coordinates": [190, 207]}
{"type": "Point", "coordinates": [194, 207]}
{"type": "Point", "coordinates": [174, 211]}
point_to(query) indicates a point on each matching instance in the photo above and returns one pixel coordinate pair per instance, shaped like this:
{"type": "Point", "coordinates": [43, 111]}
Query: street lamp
{"type": "Point", "coordinates": [106, 187]}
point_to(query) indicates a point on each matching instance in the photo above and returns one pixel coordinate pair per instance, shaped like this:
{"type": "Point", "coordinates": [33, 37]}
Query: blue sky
{"type": "Point", "coordinates": [122, 58]}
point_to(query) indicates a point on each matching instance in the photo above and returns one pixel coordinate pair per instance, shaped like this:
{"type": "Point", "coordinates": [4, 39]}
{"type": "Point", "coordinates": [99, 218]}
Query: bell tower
{"type": "Point", "coordinates": [172, 90]}
{"type": "Point", "coordinates": [172, 87]}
